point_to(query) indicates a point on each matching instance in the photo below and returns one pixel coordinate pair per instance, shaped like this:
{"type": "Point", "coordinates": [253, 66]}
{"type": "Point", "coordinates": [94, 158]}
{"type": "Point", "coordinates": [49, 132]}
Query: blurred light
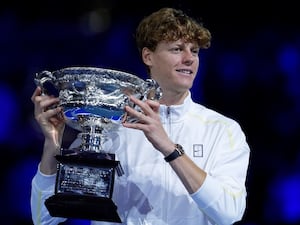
{"type": "Point", "coordinates": [118, 48]}
{"type": "Point", "coordinates": [9, 109]}
{"type": "Point", "coordinates": [18, 188]}
{"type": "Point", "coordinates": [288, 60]}
{"type": "Point", "coordinates": [232, 68]}
{"type": "Point", "coordinates": [285, 193]}
{"type": "Point", "coordinates": [96, 21]}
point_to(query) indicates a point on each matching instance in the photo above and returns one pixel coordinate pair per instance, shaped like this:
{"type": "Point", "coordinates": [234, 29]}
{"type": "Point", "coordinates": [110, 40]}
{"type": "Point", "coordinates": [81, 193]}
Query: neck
{"type": "Point", "coordinates": [173, 98]}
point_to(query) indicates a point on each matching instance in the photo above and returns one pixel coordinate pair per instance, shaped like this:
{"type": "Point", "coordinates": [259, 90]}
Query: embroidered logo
{"type": "Point", "coordinates": [198, 150]}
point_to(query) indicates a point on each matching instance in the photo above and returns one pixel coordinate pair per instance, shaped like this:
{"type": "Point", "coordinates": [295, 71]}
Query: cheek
{"type": "Point", "coordinates": [161, 68]}
{"type": "Point", "coordinates": [167, 60]}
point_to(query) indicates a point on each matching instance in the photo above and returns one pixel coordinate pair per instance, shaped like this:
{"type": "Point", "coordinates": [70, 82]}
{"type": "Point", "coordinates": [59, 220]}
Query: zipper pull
{"type": "Point", "coordinates": [168, 111]}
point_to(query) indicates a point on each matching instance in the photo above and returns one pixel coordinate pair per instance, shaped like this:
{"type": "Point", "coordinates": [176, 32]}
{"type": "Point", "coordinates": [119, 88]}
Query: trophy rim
{"type": "Point", "coordinates": [98, 71]}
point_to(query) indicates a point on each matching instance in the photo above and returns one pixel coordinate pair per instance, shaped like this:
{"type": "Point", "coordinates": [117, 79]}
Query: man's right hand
{"type": "Point", "coordinates": [52, 123]}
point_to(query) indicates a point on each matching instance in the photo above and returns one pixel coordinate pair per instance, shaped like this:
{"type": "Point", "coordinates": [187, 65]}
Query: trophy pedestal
{"type": "Point", "coordinates": [84, 186]}
{"type": "Point", "coordinates": [82, 207]}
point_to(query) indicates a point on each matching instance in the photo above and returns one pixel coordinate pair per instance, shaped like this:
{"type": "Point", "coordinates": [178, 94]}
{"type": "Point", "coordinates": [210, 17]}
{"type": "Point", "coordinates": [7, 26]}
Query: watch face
{"type": "Point", "coordinates": [179, 148]}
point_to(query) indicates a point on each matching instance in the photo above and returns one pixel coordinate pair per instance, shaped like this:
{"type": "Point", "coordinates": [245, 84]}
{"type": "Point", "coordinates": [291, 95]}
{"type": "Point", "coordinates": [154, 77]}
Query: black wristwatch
{"type": "Point", "coordinates": [177, 152]}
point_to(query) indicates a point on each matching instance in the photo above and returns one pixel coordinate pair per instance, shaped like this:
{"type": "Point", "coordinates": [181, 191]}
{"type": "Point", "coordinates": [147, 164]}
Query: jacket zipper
{"type": "Point", "coordinates": [168, 127]}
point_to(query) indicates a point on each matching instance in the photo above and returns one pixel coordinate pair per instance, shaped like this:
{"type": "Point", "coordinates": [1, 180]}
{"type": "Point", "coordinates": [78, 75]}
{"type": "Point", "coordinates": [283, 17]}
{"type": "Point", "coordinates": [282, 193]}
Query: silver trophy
{"type": "Point", "coordinates": [93, 101]}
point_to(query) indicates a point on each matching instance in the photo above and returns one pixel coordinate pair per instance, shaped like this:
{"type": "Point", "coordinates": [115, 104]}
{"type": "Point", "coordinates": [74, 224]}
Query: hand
{"type": "Point", "coordinates": [149, 122]}
{"type": "Point", "coordinates": [49, 117]}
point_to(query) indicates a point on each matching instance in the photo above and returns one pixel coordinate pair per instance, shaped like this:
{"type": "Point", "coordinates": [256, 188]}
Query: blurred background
{"type": "Point", "coordinates": [251, 73]}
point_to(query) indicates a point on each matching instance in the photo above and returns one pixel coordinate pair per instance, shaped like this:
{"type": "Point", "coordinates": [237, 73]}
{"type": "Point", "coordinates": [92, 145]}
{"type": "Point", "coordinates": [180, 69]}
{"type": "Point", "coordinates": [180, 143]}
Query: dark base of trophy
{"type": "Point", "coordinates": [82, 207]}
{"type": "Point", "coordinates": [84, 187]}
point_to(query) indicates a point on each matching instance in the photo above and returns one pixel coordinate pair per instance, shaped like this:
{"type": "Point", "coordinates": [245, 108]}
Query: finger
{"type": "Point", "coordinates": [37, 92]}
{"type": "Point", "coordinates": [124, 117]}
{"type": "Point", "coordinates": [133, 113]}
{"type": "Point", "coordinates": [49, 103]}
{"type": "Point", "coordinates": [142, 104]}
{"type": "Point", "coordinates": [154, 105]}
{"type": "Point", "coordinates": [56, 113]}
{"type": "Point", "coordinates": [44, 103]}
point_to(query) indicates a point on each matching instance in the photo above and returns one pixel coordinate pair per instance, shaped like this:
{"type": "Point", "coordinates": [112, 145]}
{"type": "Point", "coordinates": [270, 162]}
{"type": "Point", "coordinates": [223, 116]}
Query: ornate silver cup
{"type": "Point", "coordinates": [93, 101]}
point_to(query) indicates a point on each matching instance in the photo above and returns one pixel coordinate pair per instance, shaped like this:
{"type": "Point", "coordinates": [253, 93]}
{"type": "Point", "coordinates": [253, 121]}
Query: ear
{"type": "Point", "coordinates": [146, 56]}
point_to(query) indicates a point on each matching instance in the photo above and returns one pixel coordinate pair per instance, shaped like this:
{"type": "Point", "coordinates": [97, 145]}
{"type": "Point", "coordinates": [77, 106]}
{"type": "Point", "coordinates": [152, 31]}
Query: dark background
{"type": "Point", "coordinates": [250, 73]}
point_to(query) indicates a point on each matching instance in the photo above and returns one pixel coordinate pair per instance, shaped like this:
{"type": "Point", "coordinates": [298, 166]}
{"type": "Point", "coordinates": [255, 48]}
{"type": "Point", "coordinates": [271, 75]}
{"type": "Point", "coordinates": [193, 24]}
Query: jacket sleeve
{"type": "Point", "coordinates": [222, 197]}
{"type": "Point", "coordinates": [41, 189]}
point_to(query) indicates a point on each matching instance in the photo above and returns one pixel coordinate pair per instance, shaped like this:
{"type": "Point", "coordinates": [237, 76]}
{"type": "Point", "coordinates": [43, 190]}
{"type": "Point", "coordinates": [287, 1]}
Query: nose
{"type": "Point", "coordinates": [188, 57]}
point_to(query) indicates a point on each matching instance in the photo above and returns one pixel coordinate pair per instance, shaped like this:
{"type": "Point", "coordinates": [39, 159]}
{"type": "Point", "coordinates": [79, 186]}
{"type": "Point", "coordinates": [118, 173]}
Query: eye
{"type": "Point", "coordinates": [195, 51]}
{"type": "Point", "coordinates": [176, 49]}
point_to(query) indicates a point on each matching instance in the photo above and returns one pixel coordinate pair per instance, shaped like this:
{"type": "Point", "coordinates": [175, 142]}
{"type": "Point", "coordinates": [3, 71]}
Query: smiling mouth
{"type": "Point", "coordinates": [186, 72]}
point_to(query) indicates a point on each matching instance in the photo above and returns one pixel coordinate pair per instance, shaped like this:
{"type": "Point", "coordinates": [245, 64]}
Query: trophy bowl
{"type": "Point", "coordinates": [93, 101]}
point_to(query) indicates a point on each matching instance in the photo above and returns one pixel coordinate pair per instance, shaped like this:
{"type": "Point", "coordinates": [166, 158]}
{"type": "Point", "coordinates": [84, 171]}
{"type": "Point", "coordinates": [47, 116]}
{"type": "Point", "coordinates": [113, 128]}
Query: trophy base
{"type": "Point", "coordinates": [82, 207]}
{"type": "Point", "coordinates": [84, 186]}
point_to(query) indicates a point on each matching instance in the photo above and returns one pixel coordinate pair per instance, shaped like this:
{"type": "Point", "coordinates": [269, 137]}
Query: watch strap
{"type": "Point", "coordinates": [178, 151]}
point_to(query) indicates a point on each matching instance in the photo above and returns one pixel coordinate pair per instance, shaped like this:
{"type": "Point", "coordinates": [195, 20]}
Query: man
{"type": "Point", "coordinates": [183, 163]}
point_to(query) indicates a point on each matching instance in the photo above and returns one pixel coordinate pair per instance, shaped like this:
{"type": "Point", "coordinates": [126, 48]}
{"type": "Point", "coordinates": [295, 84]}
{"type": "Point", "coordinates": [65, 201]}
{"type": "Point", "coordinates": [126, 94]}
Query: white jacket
{"type": "Point", "coordinates": [150, 193]}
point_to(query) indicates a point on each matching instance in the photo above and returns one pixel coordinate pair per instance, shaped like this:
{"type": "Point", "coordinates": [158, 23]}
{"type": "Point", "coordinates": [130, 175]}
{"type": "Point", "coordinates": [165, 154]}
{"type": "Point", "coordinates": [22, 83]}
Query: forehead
{"type": "Point", "coordinates": [179, 42]}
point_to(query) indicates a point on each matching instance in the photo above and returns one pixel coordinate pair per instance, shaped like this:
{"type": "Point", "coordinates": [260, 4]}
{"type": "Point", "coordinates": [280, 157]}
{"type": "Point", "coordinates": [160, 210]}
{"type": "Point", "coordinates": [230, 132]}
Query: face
{"type": "Point", "coordinates": [173, 65]}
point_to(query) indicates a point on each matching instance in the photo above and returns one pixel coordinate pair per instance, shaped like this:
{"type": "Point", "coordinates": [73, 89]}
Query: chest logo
{"type": "Point", "coordinates": [198, 150]}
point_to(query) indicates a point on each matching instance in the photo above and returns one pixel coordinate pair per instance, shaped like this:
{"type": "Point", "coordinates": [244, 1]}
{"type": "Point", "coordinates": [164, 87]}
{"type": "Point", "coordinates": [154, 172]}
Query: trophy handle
{"type": "Point", "coordinates": [153, 90]}
{"type": "Point", "coordinates": [45, 80]}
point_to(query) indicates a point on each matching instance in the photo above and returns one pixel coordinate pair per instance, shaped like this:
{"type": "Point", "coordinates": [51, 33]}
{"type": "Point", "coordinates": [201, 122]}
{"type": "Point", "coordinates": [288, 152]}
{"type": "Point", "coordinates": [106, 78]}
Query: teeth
{"type": "Point", "coordinates": [185, 71]}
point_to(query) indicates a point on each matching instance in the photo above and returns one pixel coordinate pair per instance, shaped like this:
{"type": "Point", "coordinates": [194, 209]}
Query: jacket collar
{"type": "Point", "coordinates": [176, 112]}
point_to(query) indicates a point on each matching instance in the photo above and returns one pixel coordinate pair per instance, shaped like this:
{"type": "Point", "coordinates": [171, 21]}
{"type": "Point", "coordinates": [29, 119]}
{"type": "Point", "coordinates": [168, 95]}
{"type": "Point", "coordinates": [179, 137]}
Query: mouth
{"type": "Point", "coordinates": [185, 72]}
